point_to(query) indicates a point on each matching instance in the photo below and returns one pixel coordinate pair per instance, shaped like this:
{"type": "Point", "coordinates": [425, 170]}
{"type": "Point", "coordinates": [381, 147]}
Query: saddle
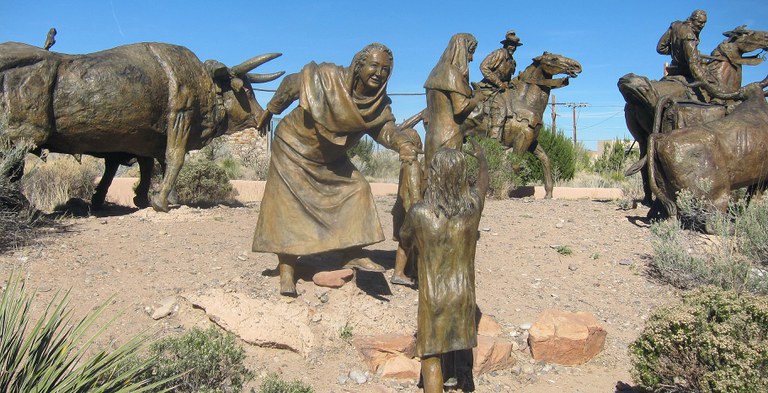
{"type": "Point", "coordinates": [686, 113]}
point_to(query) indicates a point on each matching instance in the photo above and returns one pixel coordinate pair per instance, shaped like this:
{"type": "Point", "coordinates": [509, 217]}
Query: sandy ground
{"type": "Point", "coordinates": [140, 257]}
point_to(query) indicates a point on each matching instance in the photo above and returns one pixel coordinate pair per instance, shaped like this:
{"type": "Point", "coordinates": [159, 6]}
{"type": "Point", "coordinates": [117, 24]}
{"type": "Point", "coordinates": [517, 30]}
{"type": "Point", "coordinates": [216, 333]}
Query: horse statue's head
{"type": "Point", "coordinates": [554, 64]}
{"type": "Point", "coordinates": [746, 40]}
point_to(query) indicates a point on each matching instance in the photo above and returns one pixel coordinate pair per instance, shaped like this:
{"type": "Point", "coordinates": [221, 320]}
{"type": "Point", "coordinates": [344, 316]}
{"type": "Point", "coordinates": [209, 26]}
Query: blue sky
{"type": "Point", "coordinates": [609, 38]}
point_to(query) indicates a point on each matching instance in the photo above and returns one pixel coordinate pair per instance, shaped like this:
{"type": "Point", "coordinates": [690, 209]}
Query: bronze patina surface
{"type": "Point", "coordinates": [315, 200]}
{"type": "Point", "coordinates": [147, 100]}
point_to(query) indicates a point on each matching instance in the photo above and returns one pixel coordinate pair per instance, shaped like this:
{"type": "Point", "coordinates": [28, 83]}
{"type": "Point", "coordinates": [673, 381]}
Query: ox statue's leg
{"type": "Point", "coordinates": [538, 151]}
{"type": "Point", "coordinates": [111, 163]}
{"type": "Point", "coordinates": [141, 200]}
{"type": "Point", "coordinates": [178, 134]}
{"type": "Point", "coordinates": [640, 133]}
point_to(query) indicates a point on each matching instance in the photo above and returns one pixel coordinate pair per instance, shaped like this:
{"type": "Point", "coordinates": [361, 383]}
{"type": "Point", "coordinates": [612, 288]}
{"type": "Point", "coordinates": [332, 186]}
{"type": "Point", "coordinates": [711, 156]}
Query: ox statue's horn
{"type": "Point", "coordinates": [243, 68]}
{"type": "Point", "coordinates": [262, 78]}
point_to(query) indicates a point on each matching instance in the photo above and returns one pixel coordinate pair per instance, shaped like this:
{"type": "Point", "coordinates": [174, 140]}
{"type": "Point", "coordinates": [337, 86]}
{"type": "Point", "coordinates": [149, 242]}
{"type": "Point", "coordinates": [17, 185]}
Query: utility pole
{"type": "Point", "coordinates": [573, 106]}
{"type": "Point", "coordinates": [554, 115]}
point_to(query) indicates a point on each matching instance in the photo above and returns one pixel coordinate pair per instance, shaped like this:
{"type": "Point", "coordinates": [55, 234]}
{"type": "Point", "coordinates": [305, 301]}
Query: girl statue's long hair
{"type": "Point", "coordinates": [448, 190]}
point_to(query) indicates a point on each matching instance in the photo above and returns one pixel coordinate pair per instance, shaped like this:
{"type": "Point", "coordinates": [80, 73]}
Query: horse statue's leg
{"type": "Point", "coordinates": [538, 151]}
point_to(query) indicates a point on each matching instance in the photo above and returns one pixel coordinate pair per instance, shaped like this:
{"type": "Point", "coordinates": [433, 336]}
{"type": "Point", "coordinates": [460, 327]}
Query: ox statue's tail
{"type": "Point", "coordinates": [658, 187]}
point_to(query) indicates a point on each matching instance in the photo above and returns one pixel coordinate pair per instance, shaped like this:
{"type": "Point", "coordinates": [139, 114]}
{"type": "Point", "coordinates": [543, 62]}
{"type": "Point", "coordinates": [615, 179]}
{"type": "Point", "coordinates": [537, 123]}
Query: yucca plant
{"type": "Point", "coordinates": [51, 354]}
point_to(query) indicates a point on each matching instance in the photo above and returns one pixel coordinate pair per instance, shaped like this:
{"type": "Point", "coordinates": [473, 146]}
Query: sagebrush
{"type": "Point", "coordinates": [274, 384]}
{"type": "Point", "coordinates": [732, 258]}
{"type": "Point", "coordinates": [208, 361]}
{"type": "Point", "coordinates": [714, 341]}
{"type": "Point", "coordinates": [202, 182]}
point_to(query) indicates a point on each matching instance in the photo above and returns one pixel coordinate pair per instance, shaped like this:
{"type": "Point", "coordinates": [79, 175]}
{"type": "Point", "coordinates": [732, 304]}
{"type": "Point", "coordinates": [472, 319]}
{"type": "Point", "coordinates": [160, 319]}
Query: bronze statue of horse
{"type": "Point", "coordinates": [523, 108]}
{"type": "Point", "coordinates": [724, 68]}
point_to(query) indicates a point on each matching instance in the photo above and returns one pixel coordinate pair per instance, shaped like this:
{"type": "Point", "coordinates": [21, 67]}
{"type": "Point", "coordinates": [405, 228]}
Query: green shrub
{"type": "Point", "coordinates": [582, 158]}
{"type": "Point", "coordinates": [346, 332]}
{"type": "Point", "coordinates": [615, 159]}
{"type": "Point", "coordinates": [363, 150]}
{"type": "Point", "coordinates": [564, 250]}
{"type": "Point", "coordinates": [273, 384]}
{"type": "Point", "coordinates": [50, 355]}
{"type": "Point", "coordinates": [562, 157]}
{"type": "Point", "coordinates": [715, 341]}
{"type": "Point", "coordinates": [376, 164]}
{"type": "Point", "coordinates": [202, 182]}
{"type": "Point", "coordinates": [207, 360]}
{"type": "Point", "coordinates": [505, 170]}
{"type": "Point", "coordinates": [231, 167]}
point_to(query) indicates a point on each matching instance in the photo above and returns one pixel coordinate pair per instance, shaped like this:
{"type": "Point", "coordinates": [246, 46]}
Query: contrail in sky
{"type": "Point", "coordinates": [114, 15]}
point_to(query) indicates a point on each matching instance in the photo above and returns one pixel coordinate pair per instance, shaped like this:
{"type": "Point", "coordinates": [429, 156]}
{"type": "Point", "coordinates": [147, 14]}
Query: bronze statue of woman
{"type": "Point", "coordinates": [315, 200]}
{"type": "Point", "coordinates": [450, 98]}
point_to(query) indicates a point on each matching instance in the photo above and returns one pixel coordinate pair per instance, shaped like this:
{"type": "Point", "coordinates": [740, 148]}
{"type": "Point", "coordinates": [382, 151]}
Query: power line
{"type": "Point", "coordinates": [573, 106]}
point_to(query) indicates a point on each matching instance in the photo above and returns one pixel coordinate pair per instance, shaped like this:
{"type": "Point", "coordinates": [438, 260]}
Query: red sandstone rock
{"type": "Point", "coordinates": [377, 350]}
{"type": "Point", "coordinates": [492, 354]}
{"type": "Point", "coordinates": [333, 279]}
{"type": "Point", "coordinates": [400, 367]}
{"type": "Point", "coordinates": [488, 326]}
{"type": "Point", "coordinates": [566, 338]}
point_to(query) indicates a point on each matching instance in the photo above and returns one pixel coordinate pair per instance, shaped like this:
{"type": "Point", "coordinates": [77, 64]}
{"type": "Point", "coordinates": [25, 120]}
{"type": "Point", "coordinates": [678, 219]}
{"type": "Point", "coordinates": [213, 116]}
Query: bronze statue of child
{"type": "Point", "coordinates": [443, 229]}
{"type": "Point", "coordinates": [410, 190]}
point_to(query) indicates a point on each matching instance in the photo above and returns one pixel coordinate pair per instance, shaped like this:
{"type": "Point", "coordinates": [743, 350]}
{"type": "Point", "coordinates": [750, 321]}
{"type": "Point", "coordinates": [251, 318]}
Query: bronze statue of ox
{"type": "Point", "coordinates": [523, 108]}
{"type": "Point", "coordinates": [148, 100]}
{"type": "Point", "coordinates": [724, 67]}
{"type": "Point", "coordinates": [712, 159]}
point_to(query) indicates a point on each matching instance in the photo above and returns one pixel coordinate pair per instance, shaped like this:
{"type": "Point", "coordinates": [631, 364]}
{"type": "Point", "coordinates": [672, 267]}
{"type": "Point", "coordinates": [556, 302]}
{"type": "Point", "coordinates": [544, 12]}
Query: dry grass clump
{"type": "Point", "coordinates": [59, 178]}
{"type": "Point", "coordinates": [17, 217]}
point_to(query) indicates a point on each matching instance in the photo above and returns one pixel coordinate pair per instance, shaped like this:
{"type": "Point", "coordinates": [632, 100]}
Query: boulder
{"type": "Point", "coordinates": [259, 322]}
{"type": "Point", "coordinates": [487, 326]}
{"type": "Point", "coordinates": [333, 279]}
{"type": "Point", "coordinates": [400, 367]}
{"type": "Point", "coordinates": [566, 338]}
{"type": "Point", "coordinates": [164, 308]}
{"type": "Point", "coordinates": [376, 350]}
{"type": "Point", "coordinates": [492, 354]}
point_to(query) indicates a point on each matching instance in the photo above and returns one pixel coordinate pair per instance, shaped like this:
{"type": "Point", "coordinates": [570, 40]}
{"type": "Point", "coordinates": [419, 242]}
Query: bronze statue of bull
{"type": "Point", "coordinates": [149, 100]}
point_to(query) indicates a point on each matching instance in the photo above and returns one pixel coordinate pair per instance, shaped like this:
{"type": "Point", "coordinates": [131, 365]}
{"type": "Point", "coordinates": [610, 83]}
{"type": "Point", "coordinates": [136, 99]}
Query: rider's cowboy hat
{"type": "Point", "coordinates": [511, 39]}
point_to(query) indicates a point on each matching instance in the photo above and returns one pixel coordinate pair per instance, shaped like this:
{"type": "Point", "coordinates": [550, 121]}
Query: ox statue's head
{"type": "Point", "coordinates": [234, 92]}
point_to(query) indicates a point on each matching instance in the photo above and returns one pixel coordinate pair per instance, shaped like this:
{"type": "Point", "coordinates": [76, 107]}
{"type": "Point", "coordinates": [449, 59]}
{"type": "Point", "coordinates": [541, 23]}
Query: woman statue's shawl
{"type": "Point", "coordinates": [326, 93]}
{"type": "Point", "coordinates": [452, 71]}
